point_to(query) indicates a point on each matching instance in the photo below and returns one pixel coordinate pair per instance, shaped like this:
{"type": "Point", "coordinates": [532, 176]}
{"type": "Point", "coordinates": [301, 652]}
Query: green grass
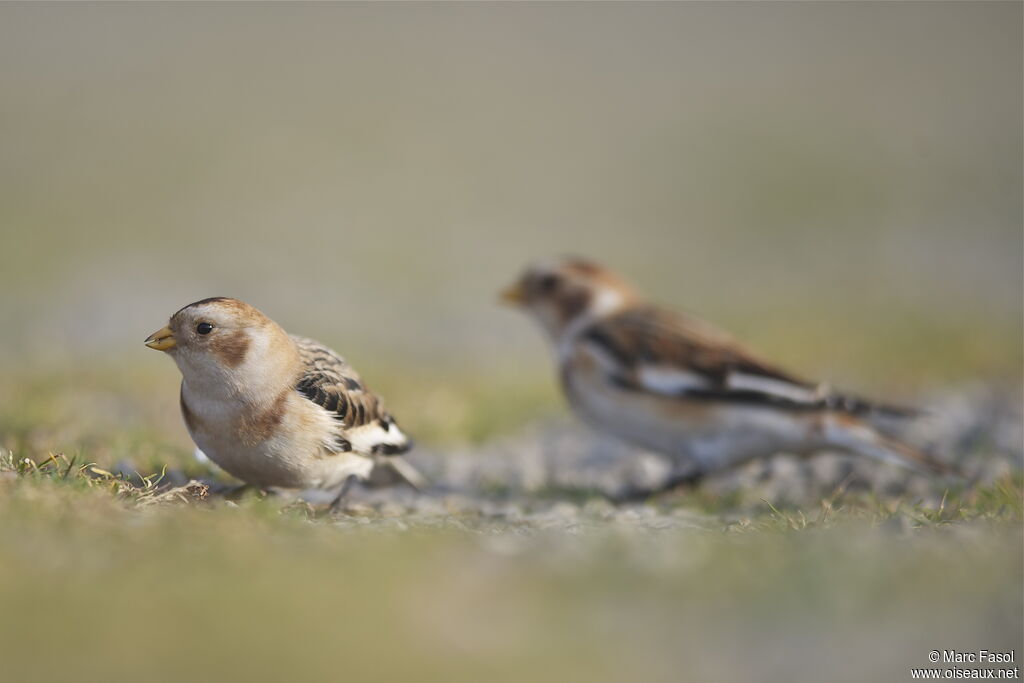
{"type": "Point", "coordinates": [115, 578]}
{"type": "Point", "coordinates": [109, 578]}
{"type": "Point", "coordinates": [102, 579]}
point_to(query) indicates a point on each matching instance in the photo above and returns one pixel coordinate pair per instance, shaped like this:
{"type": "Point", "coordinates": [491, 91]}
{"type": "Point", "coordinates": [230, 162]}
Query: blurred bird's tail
{"type": "Point", "coordinates": [409, 474]}
{"type": "Point", "coordinates": [854, 405]}
{"type": "Point", "coordinates": [853, 434]}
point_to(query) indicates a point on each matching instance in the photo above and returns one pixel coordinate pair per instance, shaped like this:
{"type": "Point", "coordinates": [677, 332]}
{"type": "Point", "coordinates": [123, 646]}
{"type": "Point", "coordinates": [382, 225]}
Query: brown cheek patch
{"type": "Point", "coordinates": [572, 304]}
{"type": "Point", "coordinates": [230, 349]}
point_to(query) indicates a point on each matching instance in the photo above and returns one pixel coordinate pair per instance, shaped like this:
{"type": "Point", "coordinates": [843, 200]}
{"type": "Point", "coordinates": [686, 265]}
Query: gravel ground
{"type": "Point", "coordinates": [559, 474]}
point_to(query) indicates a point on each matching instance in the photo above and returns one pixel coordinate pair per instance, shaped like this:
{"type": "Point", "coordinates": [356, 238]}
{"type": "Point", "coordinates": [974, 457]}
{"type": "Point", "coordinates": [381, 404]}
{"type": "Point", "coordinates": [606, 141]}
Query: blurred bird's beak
{"type": "Point", "coordinates": [514, 295]}
{"type": "Point", "coordinates": [161, 340]}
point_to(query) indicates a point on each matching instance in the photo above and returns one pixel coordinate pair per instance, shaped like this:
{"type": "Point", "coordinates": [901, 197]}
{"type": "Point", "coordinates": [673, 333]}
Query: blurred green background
{"type": "Point", "coordinates": [839, 183]}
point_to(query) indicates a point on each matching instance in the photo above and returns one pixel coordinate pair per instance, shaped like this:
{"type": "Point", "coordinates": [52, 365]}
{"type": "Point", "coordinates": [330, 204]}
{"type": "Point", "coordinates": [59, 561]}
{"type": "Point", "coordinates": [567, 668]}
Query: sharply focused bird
{"type": "Point", "coordinates": [276, 410]}
{"type": "Point", "coordinates": [675, 385]}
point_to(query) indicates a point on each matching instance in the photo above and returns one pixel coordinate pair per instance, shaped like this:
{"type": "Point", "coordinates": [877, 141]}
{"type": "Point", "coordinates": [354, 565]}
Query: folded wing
{"type": "Point", "coordinates": [661, 352]}
{"type": "Point", "coordinates": [365, 426]}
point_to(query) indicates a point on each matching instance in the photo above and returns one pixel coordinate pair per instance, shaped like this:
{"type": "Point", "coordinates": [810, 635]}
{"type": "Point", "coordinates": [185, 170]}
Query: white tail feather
{"type": "Point", "coordinates": [859, 437]}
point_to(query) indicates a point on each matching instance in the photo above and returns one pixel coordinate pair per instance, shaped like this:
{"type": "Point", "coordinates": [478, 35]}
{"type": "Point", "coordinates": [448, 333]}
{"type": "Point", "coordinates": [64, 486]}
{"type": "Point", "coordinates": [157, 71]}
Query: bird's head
{"type": "Point", "coordinates": [562, 292]}
{"type": "Point", "coordinates": [226, 341]}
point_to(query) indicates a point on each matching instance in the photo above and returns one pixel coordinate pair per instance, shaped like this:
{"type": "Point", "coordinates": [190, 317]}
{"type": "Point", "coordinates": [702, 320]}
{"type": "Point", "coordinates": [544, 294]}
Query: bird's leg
{"type": "Point", "coordinates": [340, 498]}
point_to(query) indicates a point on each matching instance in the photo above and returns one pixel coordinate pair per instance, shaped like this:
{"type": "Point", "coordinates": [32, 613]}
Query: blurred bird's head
{"type": "Point", "coordinates": [563, 292]}
{"type": "Point", "coordinates": [225, 341]}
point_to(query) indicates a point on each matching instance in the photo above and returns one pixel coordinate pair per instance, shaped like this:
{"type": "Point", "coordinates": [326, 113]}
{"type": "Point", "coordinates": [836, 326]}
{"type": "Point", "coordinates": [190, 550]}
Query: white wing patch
{"type": "Point", "coordinates": [366, 437]}
{"type": "Point", "coordinates": [739, 381]}
{"type": "Point", "coordinates": [662, 379]}
{"type": "Point", "coordinates": [672, 380]}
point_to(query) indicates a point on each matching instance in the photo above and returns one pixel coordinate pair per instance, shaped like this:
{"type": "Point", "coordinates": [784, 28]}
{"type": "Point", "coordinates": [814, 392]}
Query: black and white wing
{"type": "Point", "coordinates": [665, 353]}
{"type": "Point", "coordinates": [365, 426]}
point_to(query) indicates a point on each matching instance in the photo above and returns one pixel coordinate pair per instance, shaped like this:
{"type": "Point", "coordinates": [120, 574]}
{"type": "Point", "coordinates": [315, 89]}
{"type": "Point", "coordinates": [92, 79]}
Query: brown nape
{"type": "Point", "coordinates": [598, 275]}
{"type": "Point", "coordinates": [575, 264]}
{"type": "Point", "coordinates": [230, 349]}
{"type": "Point", "coordinates": [263, 425]}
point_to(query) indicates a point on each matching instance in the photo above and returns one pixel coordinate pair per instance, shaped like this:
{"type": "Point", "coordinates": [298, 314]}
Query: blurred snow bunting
{"type": "Point", "coordinates": [276, 410]}
{"type": "Point", "coordinates": [676, 385]}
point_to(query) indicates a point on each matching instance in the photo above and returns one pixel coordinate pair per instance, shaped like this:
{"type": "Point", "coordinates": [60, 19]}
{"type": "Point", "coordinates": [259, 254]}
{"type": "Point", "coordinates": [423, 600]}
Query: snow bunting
{"type": "Point", "coordinates": [675, 385]}
{"type": "Point", "coordinates": [276, 410]}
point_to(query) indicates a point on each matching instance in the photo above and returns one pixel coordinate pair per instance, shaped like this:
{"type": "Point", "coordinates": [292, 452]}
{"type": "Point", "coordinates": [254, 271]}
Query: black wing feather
{"type": "Point", "coordinates": [652, 336]}
{"type": "Point", "coordinates": [335, 386]}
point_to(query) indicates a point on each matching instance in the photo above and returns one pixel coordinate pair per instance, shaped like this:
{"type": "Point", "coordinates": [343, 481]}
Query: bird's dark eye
{"type": "Point", "coordinates": [204, 328]}
{"type": "Point", "coordinates": [548, 283]}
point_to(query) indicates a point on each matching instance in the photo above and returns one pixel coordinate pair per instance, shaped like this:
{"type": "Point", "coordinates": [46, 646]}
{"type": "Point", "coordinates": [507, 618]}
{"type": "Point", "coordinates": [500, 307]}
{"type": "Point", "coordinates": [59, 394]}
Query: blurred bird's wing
{"type": "Point", "coordinates": [331, 383]}
{"type": "Point", "coordinates": [661, 352]}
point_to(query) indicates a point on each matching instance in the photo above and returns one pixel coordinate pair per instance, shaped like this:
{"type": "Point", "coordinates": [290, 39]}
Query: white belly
{"type": "Point", "coordinates": [293, 456]}
{"type": "Point", "coordinates": [281, 463]}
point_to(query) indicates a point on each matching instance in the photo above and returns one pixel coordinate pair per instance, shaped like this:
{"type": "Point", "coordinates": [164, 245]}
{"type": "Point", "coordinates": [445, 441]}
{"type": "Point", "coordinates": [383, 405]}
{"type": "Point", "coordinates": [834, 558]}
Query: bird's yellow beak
{"type": "Point", "coordinates": [161, 340]}
{"type": "Point", "coordinates": [514, 295]}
